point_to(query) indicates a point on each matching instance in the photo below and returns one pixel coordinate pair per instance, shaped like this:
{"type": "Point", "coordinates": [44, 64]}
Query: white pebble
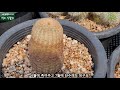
{"type": "Point", "coordinates": [18, 42]}
{"type": "Point", "coordinates": [83, 69]}
{"type": "Point", "coordinates": [74, 42]}
{"type": "Point", "coordinates": [21, 72]}
{"type": "Point", "coordinates": [28, 37]}
{"type": "Point", "coordinates": [12, 68]}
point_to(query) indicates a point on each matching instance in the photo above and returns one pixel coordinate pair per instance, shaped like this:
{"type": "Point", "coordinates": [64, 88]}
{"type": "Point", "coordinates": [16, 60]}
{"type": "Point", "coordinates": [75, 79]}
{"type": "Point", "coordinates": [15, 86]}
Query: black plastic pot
{"type": "Point", "coordinates": [19, 17]}
{"type": "Point", "coordinates": [18, 32]}
{"type": "Point", "coordinates": [114, 59]}
{"type": "Point", "coordinates": [104, 36]}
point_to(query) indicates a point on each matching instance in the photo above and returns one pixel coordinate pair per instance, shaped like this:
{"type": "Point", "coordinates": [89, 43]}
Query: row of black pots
{"type": "Point", "coordinates": [102, 66]}
{"type": "Point", "coordinates": [104, 36]}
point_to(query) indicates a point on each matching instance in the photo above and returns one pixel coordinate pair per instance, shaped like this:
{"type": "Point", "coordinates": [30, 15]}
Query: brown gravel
{"type": "Point", "coordinates": [87, 23]}
{"type": "Point", "coordinates": [117, 71]}
{"type": "Point", "coordinates": [77, 59]}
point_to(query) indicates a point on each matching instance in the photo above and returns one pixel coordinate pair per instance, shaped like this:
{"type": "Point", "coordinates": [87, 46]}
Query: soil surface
{"type": "Point", "coordinates": [77, 60]}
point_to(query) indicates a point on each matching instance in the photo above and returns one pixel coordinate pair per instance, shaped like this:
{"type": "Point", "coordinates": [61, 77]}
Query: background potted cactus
{"type": "Point", "coordinates": [45, 48]}
{"type": "Point", "coordinates": [104, 25]}
{"type": "Point", "coordinates": [107, 18]}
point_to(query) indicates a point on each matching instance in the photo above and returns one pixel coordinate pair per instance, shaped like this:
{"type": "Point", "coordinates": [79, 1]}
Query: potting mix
{"type": "Point", "coordinates": [77, 60]}
{"type": "Point", "coordinates": [117, 71]}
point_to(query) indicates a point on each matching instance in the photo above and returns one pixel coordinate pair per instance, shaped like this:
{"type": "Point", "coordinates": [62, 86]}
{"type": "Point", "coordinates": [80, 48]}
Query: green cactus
{"type": "Point", "coordinates": [107, 18]}
{"type": "Point", "coordinates": [46, 46]}
{"type": "Point", "coordinates": [78, 15]}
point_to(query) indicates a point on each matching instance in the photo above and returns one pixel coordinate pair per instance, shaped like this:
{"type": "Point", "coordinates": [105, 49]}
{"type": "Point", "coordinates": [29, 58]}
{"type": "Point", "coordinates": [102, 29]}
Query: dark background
{"type": "Point", "coordinates": [59, 5]}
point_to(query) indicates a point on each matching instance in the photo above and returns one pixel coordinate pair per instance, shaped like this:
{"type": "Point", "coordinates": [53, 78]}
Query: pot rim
{"type": "Point", "coordinates": [114, 59]}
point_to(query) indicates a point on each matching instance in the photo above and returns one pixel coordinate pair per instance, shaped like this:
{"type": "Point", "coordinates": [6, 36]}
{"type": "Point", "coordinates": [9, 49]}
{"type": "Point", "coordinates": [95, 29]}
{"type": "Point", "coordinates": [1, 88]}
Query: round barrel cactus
{"type": "Point", "coordinates": [46, 46]}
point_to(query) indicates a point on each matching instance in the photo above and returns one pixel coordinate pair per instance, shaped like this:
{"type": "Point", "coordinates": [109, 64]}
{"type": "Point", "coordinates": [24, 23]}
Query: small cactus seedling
{"type": "Point", "coordinates": [78, 15]}
{"type": "Point", "coordinates": [108, 18]}
{"type": "Point", "coordinates": [46, 46]}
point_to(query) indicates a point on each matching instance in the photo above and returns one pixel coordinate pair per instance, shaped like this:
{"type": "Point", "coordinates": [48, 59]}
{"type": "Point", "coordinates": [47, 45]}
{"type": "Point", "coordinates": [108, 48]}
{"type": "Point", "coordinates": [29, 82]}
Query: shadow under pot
{"type": "Point", "coordinates": [19, 17]}
{"type": "Point", "coordinates": [114, 64]}
{"type": "Point", "coordinates": [95, 48]}
{"type": "Point", "coordinates": [104, 36]}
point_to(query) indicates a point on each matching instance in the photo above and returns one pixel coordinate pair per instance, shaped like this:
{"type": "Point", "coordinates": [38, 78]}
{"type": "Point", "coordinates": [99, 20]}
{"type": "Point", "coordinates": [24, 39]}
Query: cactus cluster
{"type": "Point", "coordinates": [46, 46]}
{"type": "Point", "coordinates": [78, 15]}
{"type": "Point", "coordinates": [107, 18]}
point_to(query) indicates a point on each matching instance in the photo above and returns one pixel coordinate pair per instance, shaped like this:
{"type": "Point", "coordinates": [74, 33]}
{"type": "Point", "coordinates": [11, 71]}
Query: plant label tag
{"type": "Point", "coordinates": [7, 16]}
